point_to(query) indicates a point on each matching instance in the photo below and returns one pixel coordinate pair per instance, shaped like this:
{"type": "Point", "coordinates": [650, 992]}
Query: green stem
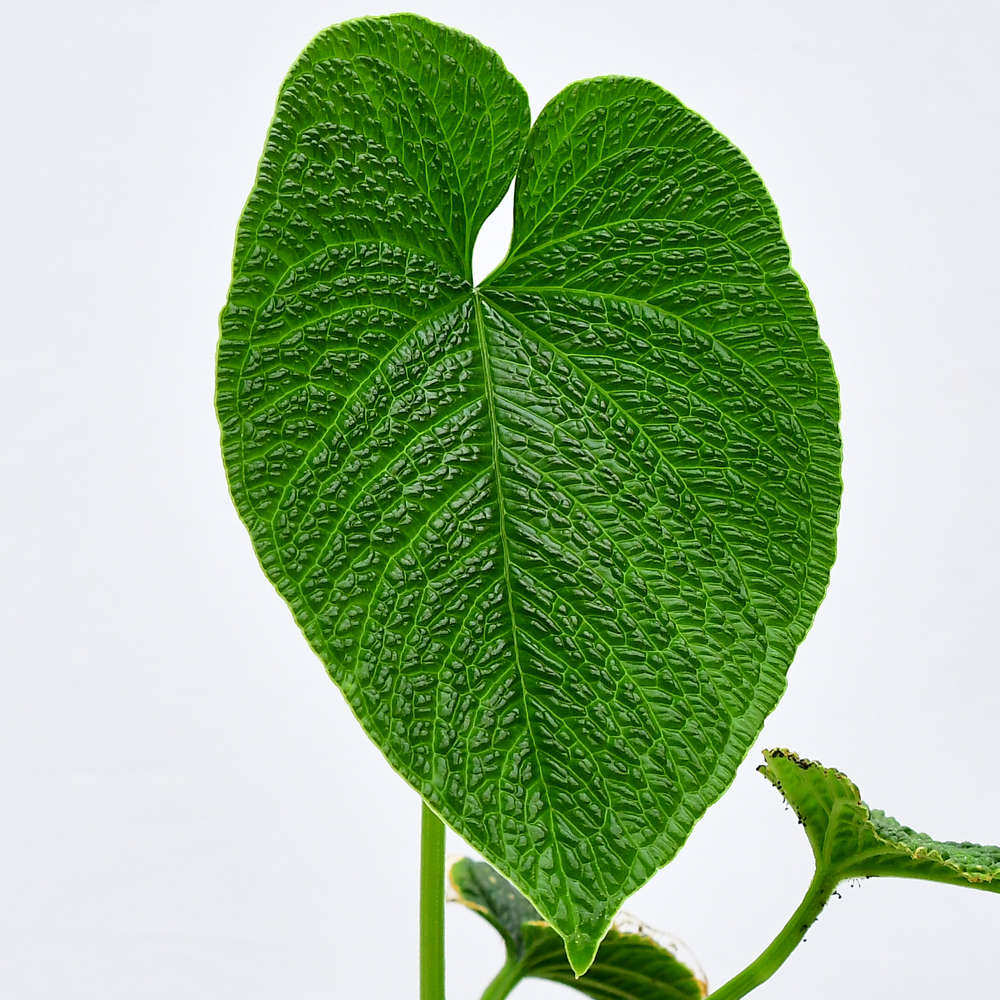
{"type": "Point", "coordinates": [504, 981]}
{"type": "Point", "coordinates": [771, 958]}
{"type": "Point", "coordinates": [431, 906]}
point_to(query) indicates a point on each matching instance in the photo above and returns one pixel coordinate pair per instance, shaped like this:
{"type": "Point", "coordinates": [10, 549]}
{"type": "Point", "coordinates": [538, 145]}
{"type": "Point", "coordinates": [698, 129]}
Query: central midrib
{"type": "Point", "coordinates": [489, 392]}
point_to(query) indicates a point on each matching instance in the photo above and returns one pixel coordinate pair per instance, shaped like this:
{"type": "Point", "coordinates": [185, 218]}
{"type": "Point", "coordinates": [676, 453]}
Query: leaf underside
{"type": "Point", "coordinates": [631, 964]}
{"type": "Point", "coordinates": [556, 537]}
{"type": "Point", "coordinates": [850, 840]}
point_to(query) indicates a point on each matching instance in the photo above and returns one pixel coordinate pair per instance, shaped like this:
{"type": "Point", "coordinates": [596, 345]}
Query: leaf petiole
{"type": "Point", "coordinates": [773, 956]}
{"type": "Point", "coordinates": [431, 905]}
{"type": "Point", "coordinates": [504, 981]}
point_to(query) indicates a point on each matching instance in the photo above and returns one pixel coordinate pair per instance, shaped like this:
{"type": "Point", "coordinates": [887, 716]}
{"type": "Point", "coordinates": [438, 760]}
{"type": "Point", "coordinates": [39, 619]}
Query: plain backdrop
{"type": "Point", "coordinates": [188, 808]}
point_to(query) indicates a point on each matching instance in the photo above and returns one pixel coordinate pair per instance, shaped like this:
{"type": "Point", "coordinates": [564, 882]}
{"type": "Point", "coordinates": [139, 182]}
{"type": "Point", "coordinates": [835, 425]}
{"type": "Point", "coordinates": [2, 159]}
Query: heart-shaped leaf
{"type": "Point", "coordinates": [557, 536]}
{"type": "Point", "coordinates": [850, 840]}
{"type": "Point", "coordinates": [632, 963]}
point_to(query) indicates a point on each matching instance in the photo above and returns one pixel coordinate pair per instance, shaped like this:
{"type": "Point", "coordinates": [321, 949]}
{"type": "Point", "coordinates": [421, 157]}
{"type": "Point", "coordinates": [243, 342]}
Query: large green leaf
{"type": "Point", "coordinates": [632, 963]}
{"type": "Point", "coordinates": [849, 840]}
{"type": "Point", "coordinates": [558, 536]}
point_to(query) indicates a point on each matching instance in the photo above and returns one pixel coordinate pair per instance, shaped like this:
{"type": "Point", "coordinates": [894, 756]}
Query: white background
{"type": "Point", "coordinates": [188, 808]}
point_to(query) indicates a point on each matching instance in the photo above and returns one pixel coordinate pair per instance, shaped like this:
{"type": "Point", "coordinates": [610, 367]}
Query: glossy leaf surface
{"type": "Point", "coordinates": [850, 840]}
{"type": "Point", "coordinates": [632, 963]}
{"type": "Point", "coordinates": [556, 537]}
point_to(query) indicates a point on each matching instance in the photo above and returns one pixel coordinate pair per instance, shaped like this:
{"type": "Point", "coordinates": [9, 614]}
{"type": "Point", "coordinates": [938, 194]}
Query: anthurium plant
{"type": "Point", "coordinates": [557, 534]}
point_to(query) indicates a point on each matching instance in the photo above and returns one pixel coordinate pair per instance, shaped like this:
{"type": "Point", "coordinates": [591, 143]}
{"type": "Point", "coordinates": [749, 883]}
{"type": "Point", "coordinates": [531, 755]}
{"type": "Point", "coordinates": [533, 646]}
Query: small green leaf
{"type": "Point", "coordinates": [850, 840]}
{"type": "Point", "coordinates": [477, 886]}
{"type": "Point", "coordinates": [556, 537]}
{"type": "Point", "coordinates": [632, 962]}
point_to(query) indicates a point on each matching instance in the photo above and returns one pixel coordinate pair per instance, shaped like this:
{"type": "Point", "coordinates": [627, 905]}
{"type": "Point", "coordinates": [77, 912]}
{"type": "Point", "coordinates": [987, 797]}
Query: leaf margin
{"type": "Point", "coordinates": [891, 849]}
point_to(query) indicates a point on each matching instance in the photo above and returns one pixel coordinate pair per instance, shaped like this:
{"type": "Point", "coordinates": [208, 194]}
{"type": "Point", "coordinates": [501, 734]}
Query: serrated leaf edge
{"type": "Point", "coordinates": [920, 853]}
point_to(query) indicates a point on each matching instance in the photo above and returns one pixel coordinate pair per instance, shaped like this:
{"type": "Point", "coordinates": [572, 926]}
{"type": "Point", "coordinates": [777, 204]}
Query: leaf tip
{"type": "Point", "coordinates": [581, 950]}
